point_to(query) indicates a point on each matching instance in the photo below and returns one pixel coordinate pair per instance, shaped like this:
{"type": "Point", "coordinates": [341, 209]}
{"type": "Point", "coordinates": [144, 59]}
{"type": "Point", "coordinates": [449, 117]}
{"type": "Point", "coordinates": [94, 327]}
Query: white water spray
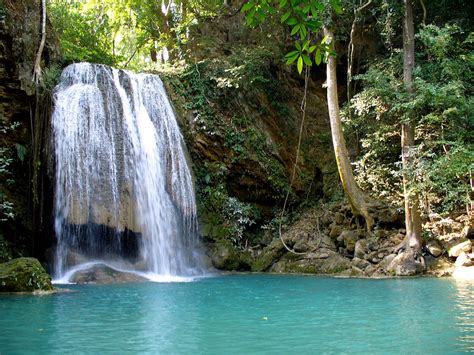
{"type": "Point", "coordinates": [123, 185]}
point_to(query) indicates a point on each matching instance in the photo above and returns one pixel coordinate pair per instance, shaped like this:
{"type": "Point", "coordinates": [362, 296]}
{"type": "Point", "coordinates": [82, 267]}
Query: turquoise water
{"type": "Point", "coordinates": [245, 314]}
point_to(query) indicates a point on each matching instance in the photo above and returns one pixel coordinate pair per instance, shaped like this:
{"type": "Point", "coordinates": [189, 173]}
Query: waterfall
{"type": "Point", "coordinates": [124, 191]}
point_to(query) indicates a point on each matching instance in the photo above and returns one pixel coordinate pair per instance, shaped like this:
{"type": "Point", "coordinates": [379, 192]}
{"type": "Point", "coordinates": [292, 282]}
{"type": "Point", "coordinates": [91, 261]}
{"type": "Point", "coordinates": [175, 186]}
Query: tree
{"type": "Point", "coordinates": [357, 198]}
{"type": "Point", "coordinates": [306, 19]}
{"type": "Point", "coordinates": [412, 213]}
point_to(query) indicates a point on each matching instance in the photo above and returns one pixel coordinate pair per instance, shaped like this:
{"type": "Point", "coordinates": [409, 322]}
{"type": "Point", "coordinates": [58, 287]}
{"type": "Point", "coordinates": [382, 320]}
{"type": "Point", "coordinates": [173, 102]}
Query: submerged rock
{"type": "Point", "coordinates": [102, 274]}
{"type": "Point", "coordinates": [24, 275]}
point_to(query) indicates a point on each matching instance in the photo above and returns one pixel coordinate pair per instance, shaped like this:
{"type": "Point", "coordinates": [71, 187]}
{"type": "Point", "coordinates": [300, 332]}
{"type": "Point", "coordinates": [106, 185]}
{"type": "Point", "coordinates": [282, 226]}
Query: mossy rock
{"type": "Point", "coordinates": [225, 256]}
{"type": "Point", "coordinates": [269, 256]}
{"type": "Point", "coordinates": [24, 275]}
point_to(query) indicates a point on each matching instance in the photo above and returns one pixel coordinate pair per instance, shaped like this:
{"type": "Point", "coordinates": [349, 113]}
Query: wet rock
{"type": "Point", "coordinates": [225, 257]}
{"type": "Point", "coordinates": [434, 248]}
{"type": "Point", "coordinates": [102, 274]}
{"type": "Point", "coordinates": [406, 264]}
{"type": "Point", "coordinates": [24, 275]}
{"type": "Point", "coordinates": [465, 259]}
{"type": "Point", "coordinates": [465, 246]}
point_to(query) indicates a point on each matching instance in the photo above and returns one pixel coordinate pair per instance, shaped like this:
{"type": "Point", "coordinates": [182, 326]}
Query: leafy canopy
{"type": "Point", "coordinates": [305, 18]}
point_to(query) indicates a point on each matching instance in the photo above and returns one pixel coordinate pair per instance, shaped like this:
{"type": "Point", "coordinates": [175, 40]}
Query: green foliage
{"type": "Point", "coordinates": [305, 19]}
{"type": "Point", "coordinates": [443, 111]}
{"type": "Point", "coordinates": [86, 33]}
{"type": "Point", "coordinates": [232, 216]}
{"type": "Point", "coordinates": [7, 158]}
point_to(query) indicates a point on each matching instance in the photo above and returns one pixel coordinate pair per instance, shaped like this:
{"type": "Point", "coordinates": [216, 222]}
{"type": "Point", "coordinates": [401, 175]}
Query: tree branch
{"type": "Point", "coordinates": [37, 75]}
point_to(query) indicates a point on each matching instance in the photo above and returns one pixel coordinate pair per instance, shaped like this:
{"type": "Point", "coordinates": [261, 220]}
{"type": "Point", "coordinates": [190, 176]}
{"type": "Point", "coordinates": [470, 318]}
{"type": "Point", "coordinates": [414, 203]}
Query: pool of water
{"type": "Point", "coordinates": [245, 314]}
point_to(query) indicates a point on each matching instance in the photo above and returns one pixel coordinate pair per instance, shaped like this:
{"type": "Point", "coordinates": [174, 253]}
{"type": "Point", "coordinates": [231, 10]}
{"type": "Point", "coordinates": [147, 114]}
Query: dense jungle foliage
{"type": "Point", "coordinates": [175, 39]}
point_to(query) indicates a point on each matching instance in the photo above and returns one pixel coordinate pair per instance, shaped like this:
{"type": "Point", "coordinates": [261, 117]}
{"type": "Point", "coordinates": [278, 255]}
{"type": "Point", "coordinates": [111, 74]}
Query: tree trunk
{"type": "Point", "coordinates": [37, 68]}
{"type": "Point", "coordinates": [357, 198]}
{"type": "Point", "coordinates": [412, 214]}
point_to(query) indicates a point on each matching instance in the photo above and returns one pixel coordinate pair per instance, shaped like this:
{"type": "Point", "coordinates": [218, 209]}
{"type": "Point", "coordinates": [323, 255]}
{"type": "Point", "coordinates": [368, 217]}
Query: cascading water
{"type": "Point", "coordinates": [124, 192]}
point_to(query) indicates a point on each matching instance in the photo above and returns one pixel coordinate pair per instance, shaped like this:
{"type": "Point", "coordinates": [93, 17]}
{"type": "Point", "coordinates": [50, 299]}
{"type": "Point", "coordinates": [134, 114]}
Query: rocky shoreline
{"type": "Point", "coordinates": [333, 242]}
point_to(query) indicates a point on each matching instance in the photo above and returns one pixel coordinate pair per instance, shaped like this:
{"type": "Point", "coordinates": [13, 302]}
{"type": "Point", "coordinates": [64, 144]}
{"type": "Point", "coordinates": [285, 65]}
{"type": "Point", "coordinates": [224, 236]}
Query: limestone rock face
{"type": "Point", "coordinates": [457, 249]}
{"type": "Point", "coordinates": [24, 275]}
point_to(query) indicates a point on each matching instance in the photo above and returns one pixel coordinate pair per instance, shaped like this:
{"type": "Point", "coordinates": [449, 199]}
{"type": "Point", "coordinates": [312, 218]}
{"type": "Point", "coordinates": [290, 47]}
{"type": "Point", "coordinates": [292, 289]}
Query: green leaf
{"type": "Point", "coordinates": [247, 6]}
{"type": "Point", "coordinates": [299, 65]}
{"type": "Point", "coordinates": [298, 46]}
{"type": "Point", "coordinates": [285, 16]}
{"type": "Point", "coordinates": [311, 49]}
{"type": "Point", "coordinates": [283, 3]}
{"type": "Point", "coordinates": [336, 6]}
{"type": "Point", "coordinates": [295, 29]}
{"type": "Point", "coordinates": [324, 39]}
{"type": "Point", "coordinates": [307, 60]}
{"type": "Point", "coordinates": [305, 45]}
{"type": "Point", "coordinates": [303, 31]}
{"type": "Point", "coordinates": [306, 8]}
{"type": "Point", "coordinates": [291, 54]}
{"type": "Point", "coordinates": [292, 21]}
{"type": "Point", "coordinates": [291, 59]}
{"type": "Point", "coordinates": [318, 56]}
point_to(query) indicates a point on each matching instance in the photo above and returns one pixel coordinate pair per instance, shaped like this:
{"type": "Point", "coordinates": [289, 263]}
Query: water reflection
{"type": "Point", "coordinates": [464, 299]}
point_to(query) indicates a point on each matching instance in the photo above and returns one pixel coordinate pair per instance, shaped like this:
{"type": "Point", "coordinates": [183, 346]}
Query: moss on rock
{"type": "Point", "coordinates": [24, 275]}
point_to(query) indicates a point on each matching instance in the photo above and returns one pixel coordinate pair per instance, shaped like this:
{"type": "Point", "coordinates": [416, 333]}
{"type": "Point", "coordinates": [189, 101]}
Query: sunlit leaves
{"type": "Point", "coordinates": [305, 19]}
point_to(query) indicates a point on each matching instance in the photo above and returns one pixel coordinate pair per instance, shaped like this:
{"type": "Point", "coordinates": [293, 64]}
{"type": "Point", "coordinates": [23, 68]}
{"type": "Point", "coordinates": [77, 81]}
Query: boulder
{"type": "Point", "coordinates": [225, 257]}
{"type": "Point", "coordinates": [360, 263]}
{"type": "Point", "coordinates": [387, 261]}
{"type": "Point", "coordinates": [334, 264]}
{"type": "Point", "coordinates": [24, 275]}
{"type": "Point", "coordinates": [434, 248]}
{"type": "Point", "coordinates": [336, 230]}
{"type": "Point", "coordinates": [457, 249]}
{"type": "Point", "coordinates": [103, 274]}
{"type": "Point", "coordinates": [262, 262]}
{"type": "Point", "coordinates": [339, 218]}
{"type": "Point", "coordinates": [349, 238]}
{"type": "Point", "coordinates": [468, 232]}
{"type": "Point", "coordinates": [360, 248]}
{"type": "Point", "coordinates": [406, 264]}
{"type": "Point", "coordinates": [465, 259]}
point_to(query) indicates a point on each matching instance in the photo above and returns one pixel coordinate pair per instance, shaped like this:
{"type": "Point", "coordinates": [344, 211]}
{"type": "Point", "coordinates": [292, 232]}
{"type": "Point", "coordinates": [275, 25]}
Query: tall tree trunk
{"type": "Point", "coordinates": [412, 214]}
{"type": "Point", "coordinates": [37, 68]}
{"type": "Point", "coordinates": [356, 197]}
